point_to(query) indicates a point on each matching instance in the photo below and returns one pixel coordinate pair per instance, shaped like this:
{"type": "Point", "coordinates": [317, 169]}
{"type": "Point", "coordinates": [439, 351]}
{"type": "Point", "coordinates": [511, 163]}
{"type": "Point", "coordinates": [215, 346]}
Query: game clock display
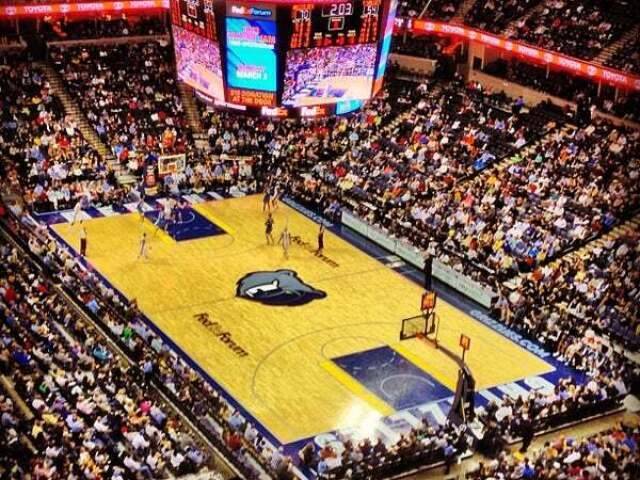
{"type": "Point", "coordinates": [335, 24]}
{"type": "Point", "coordinates": [284, 57]}
{"type": "Point", "coordinates": [196, 16]}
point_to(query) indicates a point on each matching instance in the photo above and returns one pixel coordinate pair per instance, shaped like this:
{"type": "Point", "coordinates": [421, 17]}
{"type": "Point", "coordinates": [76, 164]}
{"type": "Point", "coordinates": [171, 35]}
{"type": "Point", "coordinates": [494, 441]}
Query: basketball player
{"type": "Point", "coordinates": [181, 205]}
{"type": "Point", "coordinates": [266, 200]}
{"type": "Point", "coordinates": [77, 209]}
{"type": "Point", "coordinates": [168, 215]}
{"type": "Point", "coordinates": [159, 223]}
{"type": "Point", "coordinates": [143, 247]}
{"type": "Point", "coordinates": [285, 239]}
{"type": "Point", "coordinates": [83, 240]}
{"type": "Point", "coordinates": [140, 209]}
{"type": "Point", "coordinates": [320, 240]}
{"type": "Point", "coordinates": [268, 230]}
{"type": "Point", "coordinates": [274, 197]}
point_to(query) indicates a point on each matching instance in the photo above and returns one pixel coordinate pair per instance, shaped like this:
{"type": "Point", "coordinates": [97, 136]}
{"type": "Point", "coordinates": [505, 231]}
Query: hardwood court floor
{"type": "Point", "coordinates": [286, 380]}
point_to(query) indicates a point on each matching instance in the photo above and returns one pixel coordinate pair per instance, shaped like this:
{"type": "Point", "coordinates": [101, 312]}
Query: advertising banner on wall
{"type": "Point", "coordinates": [413, 256]}
{"type": "Point", "coordinates": [558, 60]}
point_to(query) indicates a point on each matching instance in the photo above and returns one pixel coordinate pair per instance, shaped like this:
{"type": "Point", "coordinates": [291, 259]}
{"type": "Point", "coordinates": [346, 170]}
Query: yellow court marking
{"type": "Point", "coordinates": [421, 362]}
{"type": "Point", "coordinates": [357, 388]}
{"type": "Point", "coordinates": [153, 231]}
{"type": "Point", "coordinates": [271, 358]}
{"type": "Point", "coordinates": [206, 213]}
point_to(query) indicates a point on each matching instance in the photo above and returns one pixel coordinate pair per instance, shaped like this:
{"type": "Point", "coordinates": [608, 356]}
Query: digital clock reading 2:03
{"type": "Point", "coordinates": [335, 24]}
{"type": "Point", "coordinates": [337, 9]}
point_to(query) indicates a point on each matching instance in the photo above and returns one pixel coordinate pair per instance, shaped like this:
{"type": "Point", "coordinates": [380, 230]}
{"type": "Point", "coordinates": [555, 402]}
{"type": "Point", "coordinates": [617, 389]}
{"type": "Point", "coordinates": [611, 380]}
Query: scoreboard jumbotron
{"type": "Point", "coordinates": [284, 57]}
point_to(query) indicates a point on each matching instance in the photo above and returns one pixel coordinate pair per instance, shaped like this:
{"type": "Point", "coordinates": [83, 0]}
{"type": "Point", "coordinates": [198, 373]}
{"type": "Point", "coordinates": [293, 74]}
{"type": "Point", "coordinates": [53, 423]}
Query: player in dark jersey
{"type": "Point", "coordinates": [266, 200]}
{"type": "Point", "coordinates": [144, 247]}
{"type": "Point", "coordinates": [177, 213]}
{"type": "Point", "coordinates": [160, 221]}
{"type": "Point", "coordinates": [268, 230]}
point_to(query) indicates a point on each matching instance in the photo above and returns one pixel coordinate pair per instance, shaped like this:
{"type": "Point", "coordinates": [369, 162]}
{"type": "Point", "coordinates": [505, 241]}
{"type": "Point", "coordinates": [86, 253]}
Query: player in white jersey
{"type": "Point", "coordinates": [167, 213]}
{"type": "Point", "coordinates": [275, 196]}
{"type": "Point", "coordinates": [285, 240]}
{"type": "Point", "coordinates": [78, 207]}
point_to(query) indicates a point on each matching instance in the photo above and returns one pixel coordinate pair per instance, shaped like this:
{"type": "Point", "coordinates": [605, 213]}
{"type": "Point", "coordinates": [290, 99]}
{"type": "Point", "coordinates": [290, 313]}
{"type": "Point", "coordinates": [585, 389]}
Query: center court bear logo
{"type": "Point", "coordinates": [281, 287]}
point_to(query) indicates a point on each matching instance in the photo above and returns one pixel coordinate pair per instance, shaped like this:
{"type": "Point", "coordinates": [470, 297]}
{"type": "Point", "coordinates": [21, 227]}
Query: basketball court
{"type": "Point", "coordinates": [306, 345]}
{"type": "Point", "coordinates": [331, 90]}
{"type": "Point", "coordinates": [200, 77]}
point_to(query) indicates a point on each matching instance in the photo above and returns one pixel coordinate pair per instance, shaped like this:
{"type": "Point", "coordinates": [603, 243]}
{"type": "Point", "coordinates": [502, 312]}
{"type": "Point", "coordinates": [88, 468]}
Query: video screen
{"type": "Point", "coordinates": [198, 62]}
{"type": "Point", "coordinates": [386, 47]}
{"type": "Point", "coordinates": [251, 56]}
{"type": "Point", "coordinates": [317, 76]}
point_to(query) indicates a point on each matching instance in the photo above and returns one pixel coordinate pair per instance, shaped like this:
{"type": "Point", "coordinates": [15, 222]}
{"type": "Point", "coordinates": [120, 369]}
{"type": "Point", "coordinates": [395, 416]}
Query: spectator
{"type": "Point", "coordinates": [609, 454]}
{"type": "Point", "coordinates": [495, 15]}
{"type": "Point", "coordinates": [577, 28]}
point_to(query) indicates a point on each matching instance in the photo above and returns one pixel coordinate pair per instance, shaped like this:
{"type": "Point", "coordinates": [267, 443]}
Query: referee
{"type": "Point", "coordinates": [83, 240]}
{"type": "Point", "coordinates": [428, 271]}
{"type": "Point", "coordinates": [320, 240]}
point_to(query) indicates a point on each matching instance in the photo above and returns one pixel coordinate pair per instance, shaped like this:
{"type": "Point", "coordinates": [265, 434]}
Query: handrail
{"type": "Point", "coordinates": [100, 41]}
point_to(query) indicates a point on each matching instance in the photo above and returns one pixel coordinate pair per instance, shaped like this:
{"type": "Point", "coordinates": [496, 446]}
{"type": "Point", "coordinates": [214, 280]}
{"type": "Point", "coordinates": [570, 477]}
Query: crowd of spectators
{"type": "Point", "coordinates": [424, 444]}
{"type": "Point", "coordinates": [129, 94]}
{"type": "Point", "coordinates": [439, 9]}
{"type": "Point", "coordinates": [579, 28]}
{"type": "Point", "coordinates": [14, 449]}
{"type": "Point", "coordinates": [407, 181]}
{"type": "Point", "coordinates": [559, 84]}
{"type": "Point", "coordinates": [571, 186]}
{"type": "Point", "coordinates": [425, 46]}
{"type": "Point", "coordinates": [495, 15]}
{"type": "Point", "coordinates": [93, 416]}
{"type": "Point", "coordinates": [626, 106]}
{"type": "Point", "coordinates": [598, 291]}
{"type": "Point", "coordinates": [105, 27]}
{"type": "Point", "coordinates": [241, 149]}
{"type": "Point", "coordinates": [44, 154]}
{"type": "Point", "coordinates": [154, 362]}
{"type": "Point", "coordinates": [553, 82]}
{"type": "Point", "coordinates": [613, 453]}
{"type": "Point", "coordinates": [627, 57]}
{"type": "Point", "coordinates": [429, 178]}
{"type": "Point", "coordinates": [513, 419]}
{"type": "Point", "coordinates": [287, 145]}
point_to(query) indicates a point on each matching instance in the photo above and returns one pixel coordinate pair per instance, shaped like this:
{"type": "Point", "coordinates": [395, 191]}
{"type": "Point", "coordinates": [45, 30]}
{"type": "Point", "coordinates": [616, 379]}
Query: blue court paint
{"type": "Point", "coordinates": [49, 218]}
{"type": "Point", "coordinates": [392, 377]}
{"type": "Point", "coordinates": [190, 225]}
{"type": "Point", "coordinates": [93, 212]}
